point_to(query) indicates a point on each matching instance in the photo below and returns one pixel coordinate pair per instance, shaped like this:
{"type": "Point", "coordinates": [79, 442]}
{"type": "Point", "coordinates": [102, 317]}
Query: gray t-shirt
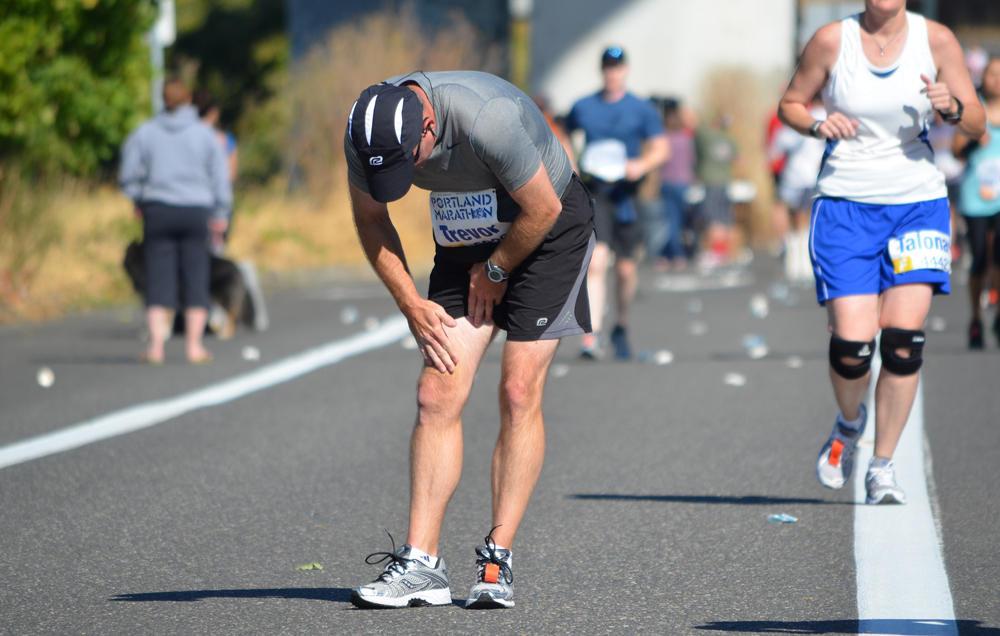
{"type": "Point", "coordinates": [490, 135]}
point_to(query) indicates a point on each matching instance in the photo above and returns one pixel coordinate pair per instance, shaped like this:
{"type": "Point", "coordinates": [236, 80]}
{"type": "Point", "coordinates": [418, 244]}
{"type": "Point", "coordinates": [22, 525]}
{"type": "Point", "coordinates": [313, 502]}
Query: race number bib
{"type": "Point", "coordinates": [925, 249]}
{"type": "Point", "coordinates": [461, 219]}
{"type": "Point", "coordinates": [605, 159]}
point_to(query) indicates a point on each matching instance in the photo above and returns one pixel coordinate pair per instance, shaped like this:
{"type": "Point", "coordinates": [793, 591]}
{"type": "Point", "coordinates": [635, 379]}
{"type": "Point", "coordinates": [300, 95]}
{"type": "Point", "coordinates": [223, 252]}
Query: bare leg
{"type": "Point", "coordinates": [157, 323]}
{"type": "Point", "coordinates": [194, 328]}
{"type": "Point", "coordinates": [597, 285]}
{"type": "Point", "coordinates": [903, 307]}
{"type": "Point", "coordinates": [852, 318]}
{"type": "Point", "coordinates": [436, 443]}
{"type": "Point", "coordinates": [627, 273]}
{"type": "Point", "coordinates": [520, 449]}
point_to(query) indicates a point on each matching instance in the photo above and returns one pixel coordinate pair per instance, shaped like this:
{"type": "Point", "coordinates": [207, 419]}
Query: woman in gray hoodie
{"type": "Point", "coordinates": [176, 175]}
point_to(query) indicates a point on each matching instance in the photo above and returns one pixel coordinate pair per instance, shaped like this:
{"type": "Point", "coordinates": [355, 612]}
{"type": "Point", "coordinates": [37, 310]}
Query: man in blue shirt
{"type": "Point", "coordinates": [624, 140]}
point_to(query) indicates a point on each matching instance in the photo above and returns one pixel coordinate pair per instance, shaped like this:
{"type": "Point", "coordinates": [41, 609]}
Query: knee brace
{"type": "Point", "coordinates": [894, 339]}
{"type": "Point", "coordinates": [840, 349]}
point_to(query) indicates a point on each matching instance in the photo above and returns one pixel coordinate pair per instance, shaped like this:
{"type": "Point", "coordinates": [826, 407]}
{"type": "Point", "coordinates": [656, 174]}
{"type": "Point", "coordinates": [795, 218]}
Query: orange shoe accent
{"type": "Point", "coordinates": [492, 573]}
{"type": "Point", "coordinates": [836, 449]}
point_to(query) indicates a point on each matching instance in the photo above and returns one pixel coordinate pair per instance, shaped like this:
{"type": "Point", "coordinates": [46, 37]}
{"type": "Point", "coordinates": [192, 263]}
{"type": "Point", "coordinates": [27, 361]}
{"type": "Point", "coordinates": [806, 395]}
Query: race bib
{"type": "Point", "coordinates": [925, 249]}
{"type": "Point", "coordinates": [461, 219]}
{"type": "Point", "coordinates": [605, 159]}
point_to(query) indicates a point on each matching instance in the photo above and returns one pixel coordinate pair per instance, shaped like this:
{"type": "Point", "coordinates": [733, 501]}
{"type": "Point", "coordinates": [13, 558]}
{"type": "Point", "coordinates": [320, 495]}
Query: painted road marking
{"type": "Point", "coordinates": [148, 414]}
{"type": "Point", "coordinates": [901, 579]}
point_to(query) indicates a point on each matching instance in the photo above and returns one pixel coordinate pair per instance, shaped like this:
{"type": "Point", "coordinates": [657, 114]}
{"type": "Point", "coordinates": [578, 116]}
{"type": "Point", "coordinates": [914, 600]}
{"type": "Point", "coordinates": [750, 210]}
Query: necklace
{"type": "Point", "coordinates": [881, 48]}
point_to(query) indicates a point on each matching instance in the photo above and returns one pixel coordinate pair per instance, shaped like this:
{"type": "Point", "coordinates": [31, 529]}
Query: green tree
{"type": "Point", "coordinates": [74, 80]}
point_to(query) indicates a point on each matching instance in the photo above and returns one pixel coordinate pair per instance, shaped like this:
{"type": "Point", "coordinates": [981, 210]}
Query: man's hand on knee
{"type": "Point", "coordinates": [428, 324]}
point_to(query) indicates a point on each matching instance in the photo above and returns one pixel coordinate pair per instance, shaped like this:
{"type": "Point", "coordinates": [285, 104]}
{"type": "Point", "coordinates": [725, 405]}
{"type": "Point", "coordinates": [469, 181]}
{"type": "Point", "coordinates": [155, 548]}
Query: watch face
{"type": "Point", "coordinates": [494, 276]}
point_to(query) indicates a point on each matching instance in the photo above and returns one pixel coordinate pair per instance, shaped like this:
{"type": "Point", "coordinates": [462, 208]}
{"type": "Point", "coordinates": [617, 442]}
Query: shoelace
{"type": "Point", "coordinates": [487, 554]}
{"type": "Point", "coordinates": [396, 565]}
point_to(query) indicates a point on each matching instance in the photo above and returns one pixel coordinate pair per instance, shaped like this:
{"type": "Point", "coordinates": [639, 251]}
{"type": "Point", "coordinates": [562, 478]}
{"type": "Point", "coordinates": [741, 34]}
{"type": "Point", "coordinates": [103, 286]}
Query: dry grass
{"type": "Point", "coordinates": [83, 269]}
{"type": "Point", "coordinates": [283, 235]}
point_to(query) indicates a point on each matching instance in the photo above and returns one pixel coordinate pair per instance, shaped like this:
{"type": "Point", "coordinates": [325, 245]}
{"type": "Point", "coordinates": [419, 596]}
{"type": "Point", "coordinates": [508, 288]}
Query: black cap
{"type": "Point", "coordinates": [612, 56]}
{"type": "Point", "coordinates": [384, 127]}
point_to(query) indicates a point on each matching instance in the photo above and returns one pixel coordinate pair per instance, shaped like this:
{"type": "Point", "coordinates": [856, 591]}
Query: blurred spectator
{"type": "Point", "coordinates": [175, 172]}
{"type": "Point", "coordinates": [979, 202]}
{"type": "Point", "coordinates": [676, 177]}
{"type": "Point", "coordinates": [976, 58]}
{"type": "Point", "coordinates": [716, 151]}
{"type": "Point", "coordinates": [796, 189]}
{"type": "Point", "coordinates": [776, 164]}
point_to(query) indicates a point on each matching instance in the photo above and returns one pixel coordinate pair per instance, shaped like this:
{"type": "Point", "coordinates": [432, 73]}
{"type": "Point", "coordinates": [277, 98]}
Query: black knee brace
{"type": "Point", "coordinates": [840, 349]}
{"type": "Point", "coordinates": [893, 339]}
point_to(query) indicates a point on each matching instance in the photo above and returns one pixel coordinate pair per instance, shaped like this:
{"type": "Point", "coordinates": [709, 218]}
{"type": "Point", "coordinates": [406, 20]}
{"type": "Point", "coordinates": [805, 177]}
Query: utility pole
{"type": "Point", "coordinates": [520, 42]}
{"type": "Point", "coordinates": [160, 36]}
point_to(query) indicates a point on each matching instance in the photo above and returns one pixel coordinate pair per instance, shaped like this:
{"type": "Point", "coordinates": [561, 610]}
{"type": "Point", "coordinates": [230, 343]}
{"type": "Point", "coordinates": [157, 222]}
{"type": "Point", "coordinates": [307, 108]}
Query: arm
{"type": "Point", "coordinates": [384, 251]}
{"type": "Point", "coordinates": [540, 208]}
{"type": "Point", "coordinates": [655, 153]}
{"type": "Point", "coordinates": [656, 146]}
{"type": "Point", "coordinates": [222, 191]}
{"type": "Point", "coordinates": [132, 171]}
{"type": "Point", "coordinates": [810, 77]}
{"type": "Point", "coordinates": [234, 164]}
{"type": "Point", "coordinates": [953, 81]}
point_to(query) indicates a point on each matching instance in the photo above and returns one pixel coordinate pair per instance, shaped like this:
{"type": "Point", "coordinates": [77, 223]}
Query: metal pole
{"type": "Point", "coordinates": [161, 35]}
{"type": "Point", "coordinates": [520, 43]}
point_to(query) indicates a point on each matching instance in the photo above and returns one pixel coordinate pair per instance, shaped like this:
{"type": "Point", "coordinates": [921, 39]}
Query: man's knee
{"type": "Point", "coordinates": [851, 359]}
{"type": "Point", "coordinates": [520, 395]}
{"type": "Point", "coordinates": [902, 350]}
{"type": "Point", "coordinates": [438, 399]}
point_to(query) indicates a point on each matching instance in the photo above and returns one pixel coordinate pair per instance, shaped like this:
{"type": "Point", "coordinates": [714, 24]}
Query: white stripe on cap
{"type": "Point", "coordinates": [398, 120]}
{"type": "Point", "coordinates": [350, 119]}
{"type": "Point", "coordinates": [369, 119]}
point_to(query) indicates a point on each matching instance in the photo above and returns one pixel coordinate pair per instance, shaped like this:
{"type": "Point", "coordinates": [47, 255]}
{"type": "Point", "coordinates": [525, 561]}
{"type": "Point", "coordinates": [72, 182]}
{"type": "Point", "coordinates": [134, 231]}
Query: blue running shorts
{"type": "Point", "coordinates": [861, 248]}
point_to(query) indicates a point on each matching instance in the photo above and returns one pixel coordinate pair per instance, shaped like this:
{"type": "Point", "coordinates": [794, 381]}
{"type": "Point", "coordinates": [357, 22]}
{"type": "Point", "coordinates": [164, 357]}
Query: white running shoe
{"type": "Point", "coordinates": [836, 460]}
{"type": "Point", "coordinates": [880, 483]}
{"type": "Point", "coordinates": [493, 589]}
{"type": "Point", "coordinates": [404, 582]}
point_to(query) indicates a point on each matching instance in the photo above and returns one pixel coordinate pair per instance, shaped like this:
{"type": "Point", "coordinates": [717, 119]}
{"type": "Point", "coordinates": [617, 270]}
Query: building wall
{"type": "Point", "coordinates": [671, 44]}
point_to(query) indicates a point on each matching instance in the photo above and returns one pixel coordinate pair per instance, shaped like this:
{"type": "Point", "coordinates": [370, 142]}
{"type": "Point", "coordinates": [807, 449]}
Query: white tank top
{"type": "Point", "coordinates": [890, 161]}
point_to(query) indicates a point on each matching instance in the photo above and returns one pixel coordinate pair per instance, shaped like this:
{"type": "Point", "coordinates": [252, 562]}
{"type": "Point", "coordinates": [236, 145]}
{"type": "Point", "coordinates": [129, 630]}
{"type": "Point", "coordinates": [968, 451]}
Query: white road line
{"type": "Point", "coordinates": [148, 414]}
{"type": "Point", "coordinates": [901, 579]}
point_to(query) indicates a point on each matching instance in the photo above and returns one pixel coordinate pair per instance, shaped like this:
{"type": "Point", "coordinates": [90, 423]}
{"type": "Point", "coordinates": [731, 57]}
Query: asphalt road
{"type": "Point", "coordinates": [650, 515]}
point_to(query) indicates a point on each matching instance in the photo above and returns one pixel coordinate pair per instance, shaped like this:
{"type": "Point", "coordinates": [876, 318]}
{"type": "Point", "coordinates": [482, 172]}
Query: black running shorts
{"type": "Point", "coordinates": [546, 294]}
{"type": "Point", "coordinates": [624, 239]}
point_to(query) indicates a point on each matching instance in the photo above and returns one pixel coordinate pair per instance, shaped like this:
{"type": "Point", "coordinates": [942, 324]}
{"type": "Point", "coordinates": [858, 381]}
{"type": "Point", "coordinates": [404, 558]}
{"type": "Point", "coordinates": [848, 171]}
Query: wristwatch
{"type": "Point", "coordinates": [814, 129]}
{"type": "Point", "coordinates": [495, 273]}
{"type": "Point", "coordinates": [955, 117]}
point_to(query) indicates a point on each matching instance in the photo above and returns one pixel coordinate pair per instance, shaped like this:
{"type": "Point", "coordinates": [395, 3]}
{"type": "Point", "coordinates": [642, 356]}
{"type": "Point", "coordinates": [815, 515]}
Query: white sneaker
{"type": "Point", "coordinates": [404, 582]}
{"type": "Point", "coordinates": [880, 483]}
{"type": "Point", "coordinates": [836, 459]}
{"type": "Point", "coordinates": [494, 578]}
